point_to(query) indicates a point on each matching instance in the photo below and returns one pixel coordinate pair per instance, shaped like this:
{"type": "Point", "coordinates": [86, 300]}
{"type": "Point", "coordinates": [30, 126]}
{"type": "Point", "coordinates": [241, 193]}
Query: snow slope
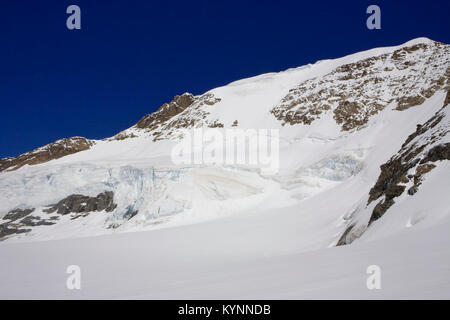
{"type": "Point", "coordinates": [215, 261]}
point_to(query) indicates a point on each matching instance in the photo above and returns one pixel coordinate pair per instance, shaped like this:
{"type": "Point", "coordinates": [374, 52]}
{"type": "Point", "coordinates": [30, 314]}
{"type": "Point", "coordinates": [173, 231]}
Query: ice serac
{"type": "Point", "coordinates": [363, 154]}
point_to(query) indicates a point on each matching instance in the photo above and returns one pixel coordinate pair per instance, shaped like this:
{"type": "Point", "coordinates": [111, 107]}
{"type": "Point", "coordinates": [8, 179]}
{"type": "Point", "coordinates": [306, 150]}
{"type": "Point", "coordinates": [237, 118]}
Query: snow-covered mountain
{"type": "Point", "coordinates": [363, 156]}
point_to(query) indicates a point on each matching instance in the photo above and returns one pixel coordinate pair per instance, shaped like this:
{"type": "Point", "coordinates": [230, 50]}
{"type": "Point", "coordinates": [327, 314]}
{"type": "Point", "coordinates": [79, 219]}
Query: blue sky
{"type": "Point", "coordinates": [132, 56]}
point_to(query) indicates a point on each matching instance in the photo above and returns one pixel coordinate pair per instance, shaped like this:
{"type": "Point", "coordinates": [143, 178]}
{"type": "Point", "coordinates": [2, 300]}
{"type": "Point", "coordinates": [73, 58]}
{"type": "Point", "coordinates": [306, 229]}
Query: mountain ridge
{"type": "Point", "coordinates": [169, 110]}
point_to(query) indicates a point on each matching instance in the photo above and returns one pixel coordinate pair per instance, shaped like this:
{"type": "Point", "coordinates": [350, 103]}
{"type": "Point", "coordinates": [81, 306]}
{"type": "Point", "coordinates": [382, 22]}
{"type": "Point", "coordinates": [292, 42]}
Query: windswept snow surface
{"type": "Point", "coordinates": [232, 231]}
{"type": "Point", "coordinates": [227, 260]}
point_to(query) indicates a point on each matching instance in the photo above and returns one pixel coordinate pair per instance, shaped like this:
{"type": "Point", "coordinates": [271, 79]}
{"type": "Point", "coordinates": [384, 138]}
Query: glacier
{"type": "Point", "coordinates": [231, 231]}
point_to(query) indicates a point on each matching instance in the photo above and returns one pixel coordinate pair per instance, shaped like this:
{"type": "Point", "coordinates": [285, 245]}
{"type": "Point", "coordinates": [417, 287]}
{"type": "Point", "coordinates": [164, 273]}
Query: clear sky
{"type": "Point", "coordinates": [132, 56]}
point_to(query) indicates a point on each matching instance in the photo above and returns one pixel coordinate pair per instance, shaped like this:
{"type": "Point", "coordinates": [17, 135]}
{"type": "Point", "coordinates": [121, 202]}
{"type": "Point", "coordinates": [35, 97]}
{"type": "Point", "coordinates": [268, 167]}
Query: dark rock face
{"type": "Point", "coordinates": [381, 208]}
{"type": "Point", "coordinates": [33, 221]}
{"type": "Point", "coordinates": [357, 91]}
{"type": "Point", "coordinates": [14, 225]}
{"type": "Point", "coordinates": [17, 214]}
{"type": "Point", "coordinates": [394, 173]}
{"type": "Point", "coordinates": [437, 153]}
{"type": "Point", "coordinates": [83, 204]}
{"type": "Point", "coordinates": [185, 111]}
{"type": "Point", "coordinates": [447, 97]}
{"type": "Point", "coordinates": [407, 102]}
{"type": "Point", "coordinates": [408, 166]}
{"type": "Point", "coordinates": [6, 231]}
{"type": "Point", "coordinates": [79, 204]}
{"type": "Point", "coordinates": [56, 150]}
{"type": "Point", "coordinates": [166, 112]}
{"type": "Point", "coordinates": [421, 170]}
{"type": "Point", "coordinates": [194, 116]}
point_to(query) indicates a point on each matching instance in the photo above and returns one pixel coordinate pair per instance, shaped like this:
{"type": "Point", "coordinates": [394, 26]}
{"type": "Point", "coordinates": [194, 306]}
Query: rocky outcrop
{"type": "Point", "coordinates": [437, 153]}
{"type": "Point", "coordinates": [11, 226]}
{"type": "Point", "coordinates": [78, 203]}
{"type": "Point", "coordinates": [404, 173]}
{"type": "Point", "coordinates": [354, 92]}
{"type": "Point", "coordinates": [16, 227]}
{"type": "Point", "coordinates": [420, 150]}
{"type": "Point", "coordinates": [122, 136]}
{"type": "Point", "coordinates": [55, 150]}
{"type": "Point", "coordinates": [33, 221]}
{"type": "Point", "coordinates": [17, 214]}
{"type": "Point", "coordinates": [193, 117]}
{"type": "Point", "coordinates": [166, 112]}
{"type": "Point", "coordinates": [6, 231]}
{"type": "Point", "coordinates": [183, 112]}
{"type": "Point", "coordinates": [161, 124]}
